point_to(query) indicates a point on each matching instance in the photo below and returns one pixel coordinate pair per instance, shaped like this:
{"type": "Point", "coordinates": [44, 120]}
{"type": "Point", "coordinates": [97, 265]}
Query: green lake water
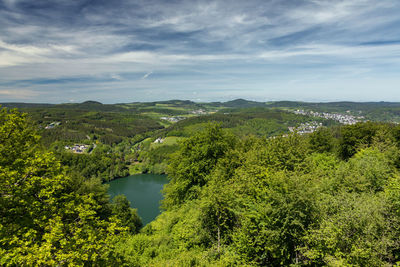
{"type": "Point", "coordinates": [143, 191]}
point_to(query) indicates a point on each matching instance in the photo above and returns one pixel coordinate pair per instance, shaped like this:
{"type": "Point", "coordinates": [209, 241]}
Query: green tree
{"type": "Point", "coordinates": [276, 215]}
{"type": "Point", "coordinates": [193, 162]}
{"type": "Point", "coordinates": [355, 230]}
{"type": "Point", "coordinates": [218, 216]}
{"type": "Point", "coordinates": [355, 136]}
{"type": "Point", "coordinates": [122, 210]}
{"type": "Point", "coordinates": [368, 170]}
{"type": "Point", "coordinates": [322, 140]}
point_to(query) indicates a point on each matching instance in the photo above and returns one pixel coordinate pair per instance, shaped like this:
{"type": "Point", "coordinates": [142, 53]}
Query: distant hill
{"type": "Point", "coordinates": [375, 111]}
{"type": "Point", "coordinates": [26, 105]}
{"type": "Point", "coordinates": [239, 103]}
{"type": "Point", "coordinates": [90, 102]}
{"type": "Point", "coordinates": [285, 104]}
{"type": "Point", "coordinates": [166, 102]}
{"type": "Point", "coordinates": [341, 104]}
{"type": "Point", "coordinates": [177, 102]}
{"type": "Point", "coordinates": [87, 105]}
{"type": "Point", "coordinates": [92, 105]}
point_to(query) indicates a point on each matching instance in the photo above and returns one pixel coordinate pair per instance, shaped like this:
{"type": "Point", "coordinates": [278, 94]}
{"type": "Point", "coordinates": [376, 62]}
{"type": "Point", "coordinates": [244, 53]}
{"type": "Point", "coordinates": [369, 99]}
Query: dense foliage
{"type": "Point", "coordinates": [105, 162]}
{"type": "Point", "coordinates": [77, 125]}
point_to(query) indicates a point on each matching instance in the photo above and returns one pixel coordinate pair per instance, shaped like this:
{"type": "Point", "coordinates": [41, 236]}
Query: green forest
{"type": "Point", "coordinates": [242, 190]}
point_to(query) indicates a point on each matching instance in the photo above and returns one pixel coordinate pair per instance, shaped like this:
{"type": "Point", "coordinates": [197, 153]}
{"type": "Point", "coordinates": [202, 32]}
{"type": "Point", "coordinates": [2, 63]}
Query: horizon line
{"type": "Point", "coordinates": [157, 101]}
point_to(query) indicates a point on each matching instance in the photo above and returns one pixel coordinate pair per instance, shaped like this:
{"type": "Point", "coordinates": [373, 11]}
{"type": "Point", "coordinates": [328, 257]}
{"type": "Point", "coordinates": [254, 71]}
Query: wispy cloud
{"type": "Point", "coordinates": [147, 75]}
{"type": "Point", "coordinates": [19, 94]}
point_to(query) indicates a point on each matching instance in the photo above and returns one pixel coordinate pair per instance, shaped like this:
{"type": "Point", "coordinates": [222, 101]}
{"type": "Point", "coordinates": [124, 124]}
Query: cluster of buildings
{"type": "Point", "coordinates": [341, 118]}
{"type": "Point", "coordinates": [52, 125]}
{"type": "Point", "coordinates": [173, 119]}
{"type": "Point", "coordinates": [304, 128]}
{"type": "Point", "coordinates": [77, 148]}
{"type": "Point", "coordinates": [159, 140]}
{"type": "Point", "coordinates": [199, 112]}
{"type": "Point", "coordinates": [179, 118]}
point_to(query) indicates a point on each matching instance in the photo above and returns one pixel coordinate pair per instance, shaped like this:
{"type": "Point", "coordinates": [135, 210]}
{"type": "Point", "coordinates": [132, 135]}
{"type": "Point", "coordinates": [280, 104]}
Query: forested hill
{"type": "Point", "coordinates": [87, 105]}
{"type": "Point", "coordinates": [376, 111]}
{"type": "Point", "coordinates": [336, 106]}
{"type": "Point", "coordinates": [238, 103]}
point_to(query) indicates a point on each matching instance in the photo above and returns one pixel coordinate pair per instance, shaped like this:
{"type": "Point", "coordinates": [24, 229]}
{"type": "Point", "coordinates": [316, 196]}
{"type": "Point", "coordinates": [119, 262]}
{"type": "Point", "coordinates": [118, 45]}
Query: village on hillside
{"type": "Point", "coordinates": [345, 119]}
{"type": "Point", "coordinates": [77, 148]}
{"type": "Point", "coordinates": [304, 128]}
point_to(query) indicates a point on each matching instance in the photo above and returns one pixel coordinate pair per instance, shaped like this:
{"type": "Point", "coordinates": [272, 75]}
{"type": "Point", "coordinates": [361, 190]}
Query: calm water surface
{"type": "Point", "coordinates": [143, 191]}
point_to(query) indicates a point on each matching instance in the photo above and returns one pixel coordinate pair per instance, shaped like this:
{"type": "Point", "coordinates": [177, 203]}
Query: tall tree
{"type": "Point", "coordinates": [191, 165]}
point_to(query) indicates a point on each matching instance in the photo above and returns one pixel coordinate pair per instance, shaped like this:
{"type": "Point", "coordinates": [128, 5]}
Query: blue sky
{"type": "Point", "coordinates": [124, 51]}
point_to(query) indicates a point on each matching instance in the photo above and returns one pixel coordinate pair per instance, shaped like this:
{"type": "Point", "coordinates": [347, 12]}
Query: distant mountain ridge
{"type": "Point", "coordinates": [236, 103]}
{"type": "Point", "coordinates": [25, 105]}
{"type": "Point", "coordinates": [239, 103]}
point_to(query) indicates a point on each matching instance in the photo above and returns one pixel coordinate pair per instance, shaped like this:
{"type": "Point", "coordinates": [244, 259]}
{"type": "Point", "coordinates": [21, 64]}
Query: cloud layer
{"type": "Point", "coordinates": [122, 51]}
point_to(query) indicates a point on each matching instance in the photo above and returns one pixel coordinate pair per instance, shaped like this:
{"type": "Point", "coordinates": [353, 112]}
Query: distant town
{"type": "Point", "coordinates": [346, 119]}
{"type": "Point", "coordinates": [173, 119]}
{"type": "Point", "coordinates": [197, 112]}
{"type": "Point", "coordinates": [304, 128]}
{"type": "Point", "coordinates": [77, 148]}
{"type": "Point", "coordinates": [310, 127]}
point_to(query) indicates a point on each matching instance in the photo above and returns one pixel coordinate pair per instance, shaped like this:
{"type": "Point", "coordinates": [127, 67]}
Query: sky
{"type": "Point", "coordinates": [115, 51]}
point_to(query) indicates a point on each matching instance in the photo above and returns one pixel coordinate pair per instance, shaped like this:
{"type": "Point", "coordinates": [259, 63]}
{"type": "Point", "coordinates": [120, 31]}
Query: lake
{"type": "Point", "coordinates": [143, 191]}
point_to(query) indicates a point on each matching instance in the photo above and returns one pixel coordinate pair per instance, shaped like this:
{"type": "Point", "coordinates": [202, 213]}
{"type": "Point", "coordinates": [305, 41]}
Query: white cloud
{"type": "Point", "coordinates": [116, 77]}
{"type": "Point", "coordinates": [25, 49]}
{"type": "Point", "coordinates": [147, 75]}
{"type": "Point", "coordinates": [14, 55]}
{"type": "Point", "coordinates": [9, 59]}
{"type": "Point", "coordinates": [381, 53]}
{"type": "Point", "coordinates": [18, 93]}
